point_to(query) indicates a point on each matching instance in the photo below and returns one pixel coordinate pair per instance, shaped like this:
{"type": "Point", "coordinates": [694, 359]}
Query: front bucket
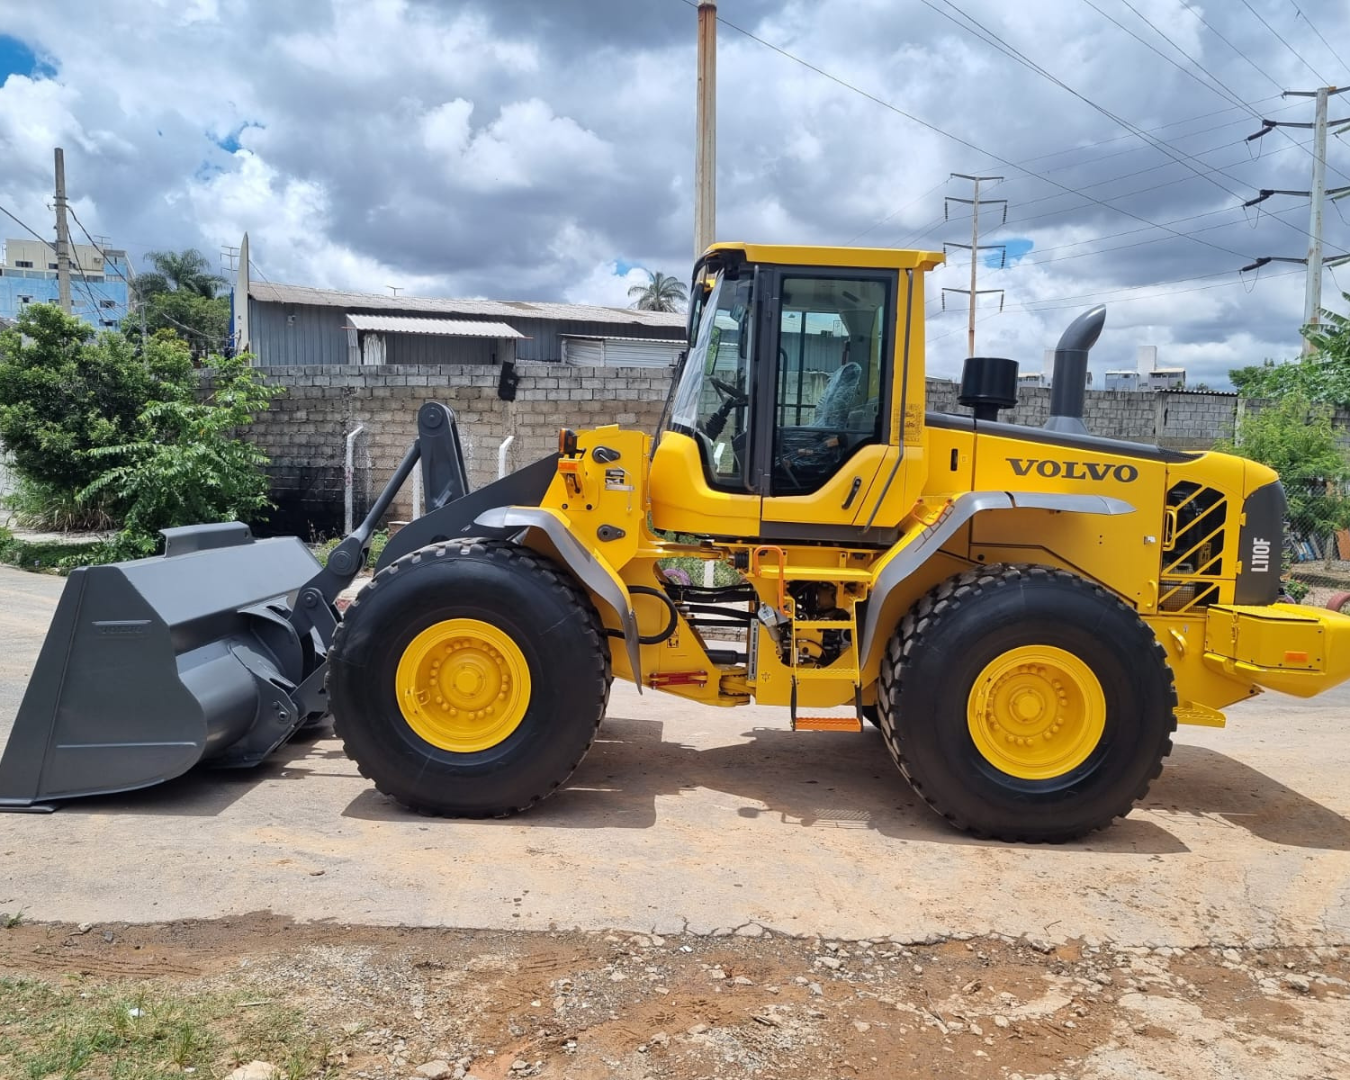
{"type": "Point", "coordinates": [152, 666]}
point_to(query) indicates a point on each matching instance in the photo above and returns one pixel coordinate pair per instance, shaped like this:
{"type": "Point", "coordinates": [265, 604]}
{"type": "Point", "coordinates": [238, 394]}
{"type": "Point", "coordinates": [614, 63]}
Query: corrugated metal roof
{"type": "Point", "coordinates": [499, 309]}
{"type": "Point", "coordinates": [397, 324]}
{"type": "Point", "coordinates": [678, 342]}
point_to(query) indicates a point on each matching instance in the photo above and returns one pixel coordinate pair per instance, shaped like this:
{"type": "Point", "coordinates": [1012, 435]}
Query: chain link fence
{"type": "Point", "coordinates": [1317, 541]}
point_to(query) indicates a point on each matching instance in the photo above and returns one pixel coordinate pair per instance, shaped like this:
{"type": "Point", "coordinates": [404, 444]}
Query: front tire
{"type": "Point", "coordinates": [468, 679]}
{"type": "Point", "coordinates": [1025, 703]}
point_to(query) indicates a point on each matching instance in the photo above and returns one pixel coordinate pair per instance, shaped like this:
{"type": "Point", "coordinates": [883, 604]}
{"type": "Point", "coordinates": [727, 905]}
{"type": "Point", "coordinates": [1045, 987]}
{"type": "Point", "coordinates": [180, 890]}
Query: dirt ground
{"type": "Point", "coordinates": [1206, 937]}
{"type": "Point", "coordinates": [597, 1006]}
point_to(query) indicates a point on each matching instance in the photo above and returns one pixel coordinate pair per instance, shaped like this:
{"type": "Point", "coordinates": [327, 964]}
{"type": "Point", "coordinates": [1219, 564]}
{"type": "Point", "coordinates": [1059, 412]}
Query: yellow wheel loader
{"type": "Point", "coordinates": [1025, 613]}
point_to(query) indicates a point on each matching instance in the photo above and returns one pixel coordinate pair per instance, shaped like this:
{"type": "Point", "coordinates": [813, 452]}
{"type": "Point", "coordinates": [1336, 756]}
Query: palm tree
{"type": "Point", "coordinates": [179, 271]}
{"type": "Point", "coordinates": [661, 293]}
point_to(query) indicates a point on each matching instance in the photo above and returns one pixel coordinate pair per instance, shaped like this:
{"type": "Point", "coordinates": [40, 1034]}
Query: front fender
{"type": "Point", "coordinates": [590, 569]}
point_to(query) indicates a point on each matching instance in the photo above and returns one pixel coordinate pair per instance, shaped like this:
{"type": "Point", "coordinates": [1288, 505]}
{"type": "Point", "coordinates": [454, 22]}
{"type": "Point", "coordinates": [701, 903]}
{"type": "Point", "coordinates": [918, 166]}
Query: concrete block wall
{"type": "Point", "coordinates": [304, 431]}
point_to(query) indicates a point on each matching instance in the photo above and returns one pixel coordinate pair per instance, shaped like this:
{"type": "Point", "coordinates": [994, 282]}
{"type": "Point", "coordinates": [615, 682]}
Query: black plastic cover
{"type": "Point", "coordinates": [1261, 546]}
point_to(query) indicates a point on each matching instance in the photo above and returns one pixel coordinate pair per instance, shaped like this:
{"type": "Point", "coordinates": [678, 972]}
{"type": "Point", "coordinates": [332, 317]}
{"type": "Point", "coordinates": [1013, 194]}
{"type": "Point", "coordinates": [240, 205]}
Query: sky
{"type": "Point", "coordinates": [543, 149]}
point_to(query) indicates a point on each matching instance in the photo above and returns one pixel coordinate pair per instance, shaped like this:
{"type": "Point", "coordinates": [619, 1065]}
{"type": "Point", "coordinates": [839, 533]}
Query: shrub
{"type": "Point", "coordinates": [1295, 438]}
{"type": "Point", "coordinates": [65, 393]}
{"type": "Point", "coordinates": [185, 464]}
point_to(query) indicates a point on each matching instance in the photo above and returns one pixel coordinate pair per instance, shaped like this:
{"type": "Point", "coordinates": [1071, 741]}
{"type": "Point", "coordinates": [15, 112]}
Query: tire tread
{"type": "Point", "coordinates": [943, 600]}
{"type": "Point", "coordinates": [550, 576]}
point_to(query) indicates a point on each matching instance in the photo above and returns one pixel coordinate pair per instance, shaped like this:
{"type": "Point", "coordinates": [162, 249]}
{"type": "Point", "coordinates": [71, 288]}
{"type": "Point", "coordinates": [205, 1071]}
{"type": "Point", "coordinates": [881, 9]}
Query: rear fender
{"type": "Point", "coordinates": [926, 543]}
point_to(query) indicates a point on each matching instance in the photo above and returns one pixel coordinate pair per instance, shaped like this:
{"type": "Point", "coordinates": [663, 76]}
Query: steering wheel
{"type": "Point", "coordinates": [735, 397]}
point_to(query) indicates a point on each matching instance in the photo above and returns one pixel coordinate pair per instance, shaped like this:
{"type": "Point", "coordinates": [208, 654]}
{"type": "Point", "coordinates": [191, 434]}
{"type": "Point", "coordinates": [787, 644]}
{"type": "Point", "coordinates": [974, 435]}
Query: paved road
{"type": "Point", "coordinates": [708, 819]}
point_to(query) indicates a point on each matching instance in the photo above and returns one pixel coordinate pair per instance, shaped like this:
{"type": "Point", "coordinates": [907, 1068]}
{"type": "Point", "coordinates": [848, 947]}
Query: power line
{"type": "Point", "coordinates": [146, 301]}
{"type": "Point", "coordinates": [1227, 89]}
{"type": "Point", "coordinates": [947, 134]}
{"type": "Point", "coordinates": [910, 239]}
{"type": "Point", "coordinates": [26, 227]}
{"type": "Point", "coordinates": [993, 40]}
{"type": "Point", "coordinates": [1322, 79]}
{"type": "Point", "coordinates": [1320, 38]}
{"type": "Point", "coordinates": [1210, 27]}
{"type": "Point", "coordinates": [1101, 157]}
{"type": "Point", "coordinates": [1058, 303]}
{"type": "Point", "coordinates": [1227, 94]}
{"type": "Point", "coordinates": [882, 221]}
{"type": "Point", "coordinates": [84, 280]}
{"type": "Point", "coordinates": [74, 256]}
{"type": "Point", "coordinates": [1178, 156]}
{"type": "Point", "coordinates": [1029, 261]}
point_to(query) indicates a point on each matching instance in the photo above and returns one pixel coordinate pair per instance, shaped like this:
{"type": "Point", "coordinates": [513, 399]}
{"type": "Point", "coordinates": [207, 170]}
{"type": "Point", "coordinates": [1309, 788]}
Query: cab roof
{"type": "Point", "coordinates": [861, 257]}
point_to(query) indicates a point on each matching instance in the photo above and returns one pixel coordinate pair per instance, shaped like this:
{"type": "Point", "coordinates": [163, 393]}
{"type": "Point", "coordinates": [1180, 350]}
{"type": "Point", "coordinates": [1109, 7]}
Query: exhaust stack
{"type": "Point", "coordinates": [1070, 377]}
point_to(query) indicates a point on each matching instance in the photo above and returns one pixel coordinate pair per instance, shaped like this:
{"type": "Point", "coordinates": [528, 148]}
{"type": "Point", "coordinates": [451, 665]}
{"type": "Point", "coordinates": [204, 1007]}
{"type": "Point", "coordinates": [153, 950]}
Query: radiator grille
{"type": "Point", "coordinates": [1193, 543]}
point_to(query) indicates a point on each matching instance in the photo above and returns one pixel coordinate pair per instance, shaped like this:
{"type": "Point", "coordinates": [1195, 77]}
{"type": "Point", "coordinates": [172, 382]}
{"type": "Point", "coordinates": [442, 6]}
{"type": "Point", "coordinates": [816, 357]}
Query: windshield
{"type": "Point", "coordinates": [710, 400]}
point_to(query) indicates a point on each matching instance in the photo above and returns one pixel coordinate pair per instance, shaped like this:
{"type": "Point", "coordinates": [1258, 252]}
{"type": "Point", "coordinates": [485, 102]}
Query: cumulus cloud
{"type": "Point", "coordinates": [540, 149]}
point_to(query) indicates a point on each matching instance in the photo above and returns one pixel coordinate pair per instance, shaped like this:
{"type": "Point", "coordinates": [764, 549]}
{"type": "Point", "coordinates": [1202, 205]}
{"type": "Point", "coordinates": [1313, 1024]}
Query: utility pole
{"type": "Point", "coordinates": [1316, 195]}
{"type": "Point", "coordinates": [62, 234]}
{"type": "Point", "coordinates": [1312, 298]}
{"type": "Point", "coordinates": [975, 247]}
{"type": "Point", "coordinates": [705, 152]}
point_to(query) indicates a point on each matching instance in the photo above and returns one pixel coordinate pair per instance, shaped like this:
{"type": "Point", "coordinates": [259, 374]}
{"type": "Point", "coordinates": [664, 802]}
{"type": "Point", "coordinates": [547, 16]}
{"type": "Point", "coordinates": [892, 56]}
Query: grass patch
{"type": "Point", "coordinates": [45, 557]}
{"type": "Point", "coordinates": [124, 1032]}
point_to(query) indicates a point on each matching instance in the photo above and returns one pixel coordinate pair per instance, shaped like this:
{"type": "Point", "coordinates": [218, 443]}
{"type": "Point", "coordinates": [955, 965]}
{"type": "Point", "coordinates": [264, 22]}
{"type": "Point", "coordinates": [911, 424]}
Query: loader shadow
{"type": "Point", "coordinates": [1199, 781]}
{"type": "Point", "coordinates": [847, 781]}
{"type": "Point", "coordinates": [206, 792]}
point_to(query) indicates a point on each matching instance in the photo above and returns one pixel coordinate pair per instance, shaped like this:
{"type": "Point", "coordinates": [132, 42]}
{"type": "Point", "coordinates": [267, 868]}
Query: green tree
{"type": "Point", "coordinates": [661, 293]}
{"type": "Point", "coordinates": [179, 271]}
{"type": "Point", "coordinates": [185, 463]}
{"type": "Point", "coordinates": [203, 322]}
{"type": "Point", "coordinates": [179, 295]}
{"type": "Point", "coordinates": [64, 392]}
{"type": "Point", "coordinates": [1323, 376]}
{"type": "Point", "coordinates": [1295, 437]}
{"type": "Point", "coordinates": [103, 432]}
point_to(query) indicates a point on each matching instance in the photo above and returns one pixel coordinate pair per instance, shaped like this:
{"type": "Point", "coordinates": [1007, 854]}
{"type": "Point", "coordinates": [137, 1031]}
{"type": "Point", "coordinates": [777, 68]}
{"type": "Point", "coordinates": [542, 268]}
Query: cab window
{"type": "Point", "coordinates": [834, 351]}
{"type": "Point", "coordinates": [711, 398]}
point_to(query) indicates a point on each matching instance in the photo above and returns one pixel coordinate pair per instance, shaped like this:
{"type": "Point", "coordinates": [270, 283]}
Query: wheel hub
{"type": "Point", "coordinates": [1036, 712]}
{"type": "Point", "coordinates": [463, 685]}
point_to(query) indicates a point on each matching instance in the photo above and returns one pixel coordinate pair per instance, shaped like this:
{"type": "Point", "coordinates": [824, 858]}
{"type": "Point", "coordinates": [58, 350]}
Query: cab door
{"type": "Point", "coordinates": [823, 414]}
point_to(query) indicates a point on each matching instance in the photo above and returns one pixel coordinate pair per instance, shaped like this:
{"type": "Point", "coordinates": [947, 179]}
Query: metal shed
{"type": "Point", "coordinates": [290, 324]}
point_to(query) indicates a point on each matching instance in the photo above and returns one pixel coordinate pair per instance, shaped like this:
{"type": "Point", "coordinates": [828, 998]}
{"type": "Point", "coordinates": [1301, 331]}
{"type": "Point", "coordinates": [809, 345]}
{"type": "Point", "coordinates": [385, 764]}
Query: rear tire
{"type": "Point", "coordinates": [527, 613]}
{"type": "Point", "coordinates": [991, 663]}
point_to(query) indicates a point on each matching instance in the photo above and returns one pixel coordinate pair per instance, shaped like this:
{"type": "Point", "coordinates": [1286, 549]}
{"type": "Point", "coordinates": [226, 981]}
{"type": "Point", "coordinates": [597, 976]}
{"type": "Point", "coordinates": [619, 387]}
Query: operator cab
{"type": "Point", "coordinates": [829, 338]}
{"type": "Point", "coordinates": [788, 385]}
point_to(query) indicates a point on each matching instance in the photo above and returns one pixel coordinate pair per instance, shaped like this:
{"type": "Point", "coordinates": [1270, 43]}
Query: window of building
{"type": "Point", "coordinates": [107, 303]}
{"type": "Point", "coordinates": [27, 264]}
{"type": "Point", "coordinates": [52, 266]}
{"type": "Point", "coordinates": [25, 299]}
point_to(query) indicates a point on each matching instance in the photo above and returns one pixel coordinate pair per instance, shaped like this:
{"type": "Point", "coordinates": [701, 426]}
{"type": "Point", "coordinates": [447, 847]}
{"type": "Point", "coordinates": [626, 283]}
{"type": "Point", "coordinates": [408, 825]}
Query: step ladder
{"type": "Point", "coordinates": [840, 669]}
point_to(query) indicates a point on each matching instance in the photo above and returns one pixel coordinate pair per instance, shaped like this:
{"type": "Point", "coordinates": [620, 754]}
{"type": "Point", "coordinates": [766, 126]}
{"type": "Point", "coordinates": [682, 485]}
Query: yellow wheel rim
{"type": "Point", "coordinates": [1036, 712]}
{"type": "Point", "coordinates": [463, 685]}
